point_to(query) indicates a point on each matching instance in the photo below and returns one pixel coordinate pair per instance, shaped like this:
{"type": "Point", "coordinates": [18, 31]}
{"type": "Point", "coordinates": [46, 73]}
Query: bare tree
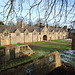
{"type": "Point", "coordinates": [72, 26]}
{"type": "Point", "coordinates": [49, 9]}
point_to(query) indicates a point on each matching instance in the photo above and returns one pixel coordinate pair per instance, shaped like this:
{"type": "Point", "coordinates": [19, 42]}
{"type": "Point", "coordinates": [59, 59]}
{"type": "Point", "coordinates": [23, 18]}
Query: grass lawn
{"type": "Point", "coordinates": [42, 48]}
{"type": "Point", "coordinates": [63, 41]}
{"type": "Point", "coordinates": [31, 43]}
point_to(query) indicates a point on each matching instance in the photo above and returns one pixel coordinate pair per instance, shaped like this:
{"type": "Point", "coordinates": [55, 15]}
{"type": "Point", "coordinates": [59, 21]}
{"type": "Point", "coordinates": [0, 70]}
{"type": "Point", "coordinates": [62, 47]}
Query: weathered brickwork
{"type": "Point", "coordinates": [31, 34]}
{"type": "Point", "coordinates": [40, 66]}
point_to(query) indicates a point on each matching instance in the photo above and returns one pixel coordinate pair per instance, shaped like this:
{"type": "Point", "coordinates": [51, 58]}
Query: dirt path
{"type": "Point", "coordinates": [58, 43]}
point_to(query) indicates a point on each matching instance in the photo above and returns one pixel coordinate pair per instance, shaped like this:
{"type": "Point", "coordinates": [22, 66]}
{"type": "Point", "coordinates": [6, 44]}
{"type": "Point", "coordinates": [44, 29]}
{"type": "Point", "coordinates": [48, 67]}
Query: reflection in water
{"type": "Point", "coordinates": [72, 52]}
{"type": "Point", "coordinates": [68, 56]}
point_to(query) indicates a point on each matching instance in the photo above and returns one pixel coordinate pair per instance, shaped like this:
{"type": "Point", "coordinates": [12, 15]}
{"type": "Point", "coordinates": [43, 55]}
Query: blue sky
{"type": "Point", "coordinates": [34, 15]}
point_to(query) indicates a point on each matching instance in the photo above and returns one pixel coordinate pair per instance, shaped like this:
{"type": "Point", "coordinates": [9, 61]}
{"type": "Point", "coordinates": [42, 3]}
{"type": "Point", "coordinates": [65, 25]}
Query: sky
{"type": "Point", "coordinates": [34, 14]}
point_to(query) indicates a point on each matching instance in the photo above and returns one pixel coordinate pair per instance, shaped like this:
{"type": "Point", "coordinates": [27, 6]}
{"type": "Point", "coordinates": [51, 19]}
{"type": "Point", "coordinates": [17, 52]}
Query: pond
{"type": "Point", "coordinates": [68, 56]}
{"type": "Point", "coordinates": [71, 52]}
{"type": "Point", "coordinates": [68, 39]}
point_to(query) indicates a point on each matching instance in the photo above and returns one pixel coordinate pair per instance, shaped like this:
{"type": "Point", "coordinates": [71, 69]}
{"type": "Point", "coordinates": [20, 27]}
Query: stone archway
{"type": "Point", "coordinates": [45, 37]}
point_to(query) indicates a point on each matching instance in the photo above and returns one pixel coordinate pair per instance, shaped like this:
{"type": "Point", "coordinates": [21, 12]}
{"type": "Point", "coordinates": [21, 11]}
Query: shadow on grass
{"type": "Point", "coordinates": [51, 47]}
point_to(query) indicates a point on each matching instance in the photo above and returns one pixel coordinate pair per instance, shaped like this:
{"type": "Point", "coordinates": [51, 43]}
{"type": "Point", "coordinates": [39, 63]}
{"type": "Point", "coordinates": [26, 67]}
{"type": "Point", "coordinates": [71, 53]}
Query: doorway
{"type": "Point", "coordinates": [45, 37]}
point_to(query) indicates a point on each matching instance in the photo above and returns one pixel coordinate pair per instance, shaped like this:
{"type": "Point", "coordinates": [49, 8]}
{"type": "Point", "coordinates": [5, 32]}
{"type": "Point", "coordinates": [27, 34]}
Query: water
{"type": "Point", "coordinates": [71, 52]}
{"type": "Point", "coordinates": [68, 39]}
{"type": "Point", "coordinates": [68, 56]}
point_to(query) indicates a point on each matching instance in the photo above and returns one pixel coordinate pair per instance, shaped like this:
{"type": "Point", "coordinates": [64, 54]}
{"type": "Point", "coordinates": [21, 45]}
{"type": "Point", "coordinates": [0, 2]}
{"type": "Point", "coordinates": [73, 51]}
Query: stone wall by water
{"type": "Point", "coordinates": [41, 66]}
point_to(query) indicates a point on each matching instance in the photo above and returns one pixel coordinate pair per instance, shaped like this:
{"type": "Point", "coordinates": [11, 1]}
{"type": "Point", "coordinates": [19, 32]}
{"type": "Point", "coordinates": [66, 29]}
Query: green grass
{"type": "Point", "coordinates": [31, 43]}
{"type": "Point", "coordinates": [50, 47]}
{"type": "Point", "coordinates": [63, 41]}
{"type": "Point", "coordinates": [41, 48]}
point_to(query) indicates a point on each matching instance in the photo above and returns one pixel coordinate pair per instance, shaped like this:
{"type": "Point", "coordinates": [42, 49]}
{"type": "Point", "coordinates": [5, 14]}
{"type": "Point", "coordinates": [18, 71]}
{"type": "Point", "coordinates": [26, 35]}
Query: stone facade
{"type": "Point", "coordinates": [40, 66]}
{"type": "Point", "coordinates": [30, 34]}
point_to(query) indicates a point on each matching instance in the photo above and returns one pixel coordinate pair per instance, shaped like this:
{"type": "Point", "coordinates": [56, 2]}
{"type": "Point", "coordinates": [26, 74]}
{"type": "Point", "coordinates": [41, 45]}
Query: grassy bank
{"type": "Point", "coordinates": [41, 48]}
{"type": "Point", "coordinates": [31, 43]}
{"type": "Point", "coordinates": [63, 41]}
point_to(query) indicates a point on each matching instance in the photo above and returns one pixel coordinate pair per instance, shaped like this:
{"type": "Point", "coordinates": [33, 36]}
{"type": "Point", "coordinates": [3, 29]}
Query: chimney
{"type": "Point", "coordinates": [55, 26]}
{"type": "Point", "coordinates": [65, 28]}
{"type": "Point", "coordinates": [20, 24]}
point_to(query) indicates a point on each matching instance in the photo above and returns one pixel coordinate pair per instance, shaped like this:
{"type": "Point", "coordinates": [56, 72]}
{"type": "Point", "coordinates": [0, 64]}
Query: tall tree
{"type": "Point", "coordinates": [72, 26]}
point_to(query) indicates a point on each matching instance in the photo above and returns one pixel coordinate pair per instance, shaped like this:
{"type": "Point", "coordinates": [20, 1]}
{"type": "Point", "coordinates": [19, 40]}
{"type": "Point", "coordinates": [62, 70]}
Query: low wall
{"type": "Point", "coordinates": [41, 66]}
{"type": "Point", "coordinates": [17, 51]}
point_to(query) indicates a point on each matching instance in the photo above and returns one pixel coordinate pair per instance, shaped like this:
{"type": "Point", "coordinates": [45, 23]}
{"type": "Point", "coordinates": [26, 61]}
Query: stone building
{"type": "Point", "coordinates": [21, 34]}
